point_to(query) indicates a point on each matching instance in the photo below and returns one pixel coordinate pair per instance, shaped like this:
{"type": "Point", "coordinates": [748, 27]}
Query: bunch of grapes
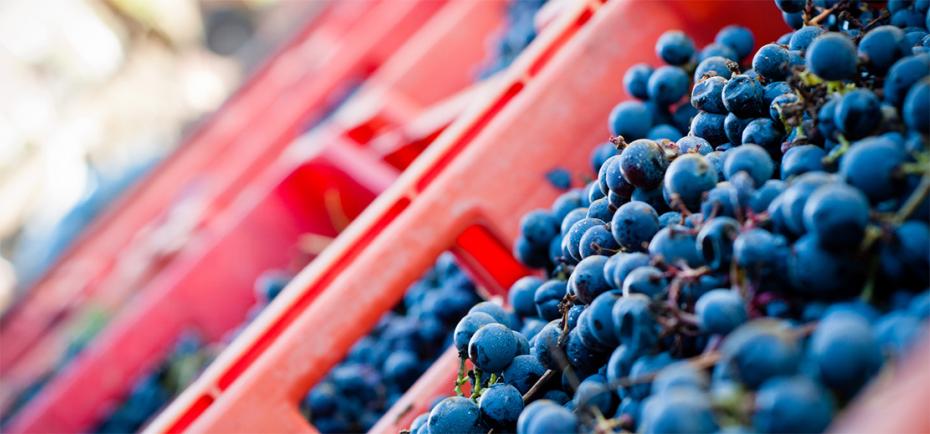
{"type": "Point", "coordinates": [384, 364]}
{"type": "Point", "coordinates": [747, 259]}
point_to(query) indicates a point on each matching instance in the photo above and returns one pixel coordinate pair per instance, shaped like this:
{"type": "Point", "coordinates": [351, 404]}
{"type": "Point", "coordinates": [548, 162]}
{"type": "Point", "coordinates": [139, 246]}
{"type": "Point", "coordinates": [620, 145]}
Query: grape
{"type": "Point", "coordinates": [903, 74]}
{"type": "Point", "coordinates": [775, 241]}
{"type": "Point", "coordinates": [675, 244]}
{"type": "Point", "coordinates": [870, 166]}
{"type": "Point", "coordinates": [467, 327]}
{"type": "Point", "coordinates": [630, 119]}
{"type": "Point", "coordinates": [643, 163]}
{"type": "Point", "coordinates": [792, 404]}
{"type": "Point", "coordinates": [677, 411]}
{"type": "Point", "coordinates": [687, 178]}
{"type": "Point", "coordinates": [715, 66]}
{"type": "Point", "coordinates": [917, 107]}
{"type": "Point", "coordinates": [645, 280]}
{"type": "Point", "coordinates": [550, 418]}
{"type": "Point", "coordinates": [803, 37]}
{"type": "Point", "coordinates": [634, 224]}
{"type": "Point", "coordinates": [720, 311]}
{"type": "Point", "coordinates": [547, 299]}
{"type": "Point", "coordinates": [675, 48]}
{"type": "Point", "coordinates": [663, 131]}
{"type": "Point", "coordinates": [501, 405]}
{"type": "Point", "coordinates": [521, 295]}
{"type": "Point", "coordinates": [882, 46]}
{"type": "Point", "coordinates": [832, 56]}
{"type": "Point", "coordinates": [771, 61]}
{"type": "Point", "coordinates": [636, 80]}
{"type": "Point", "coordinates": [765, 133]}
{"type": "Point", "coordinates": [846, 352]}
{"type": "Point", "coordinates": [738, 38]}
{"type": "Point", "coordinates": [524, 371]}
{"type": "Point", "coordinates": [802, 159]}
{"type": "Point", "coordinates": [492, 347]}
{"type": "Point", "coordinates": [455, 414]}
{"type": "Point", "coordinates": [587, 281]}
{"type": "Point", "coordinates": [743, 96]}
{"type": "Point", "coordinates": [837, 214]}
{"type": "Point", "coordinates": [709, 126]}
{"type": "Point", "coordinates": [857, 114]}
{"type": "Point", "coordinates": [539, 227]}
{"type": "Point", "coordinates": [715, 241]}
{"type": "Point", "coordinates": [667, 85]}
{"type": "Point", "coordinates": [707, 95]}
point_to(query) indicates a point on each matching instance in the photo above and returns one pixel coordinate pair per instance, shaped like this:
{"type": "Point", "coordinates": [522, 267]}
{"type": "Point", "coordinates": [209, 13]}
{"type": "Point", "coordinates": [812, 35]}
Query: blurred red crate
{"type": "Point", "coordinates": [260, 227]}
{"type": "Point", "coordinates": [340, 48]}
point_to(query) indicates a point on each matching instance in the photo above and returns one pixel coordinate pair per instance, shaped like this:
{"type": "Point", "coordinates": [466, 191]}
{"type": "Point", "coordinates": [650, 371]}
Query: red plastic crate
{"type": "Point", "coordinates": [343, 46]}
{"type": "Point", "coordinates": [268, 228]}
{"type": "Point", "coordinates": [466, 192]}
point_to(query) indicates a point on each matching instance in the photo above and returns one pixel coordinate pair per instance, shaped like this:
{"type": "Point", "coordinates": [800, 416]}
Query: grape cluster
{"type": "Point", "coordinates": [384, 364]}
{"type": "Point", "coordinates": [747, 258]}
{"type": "Point", "coordinates": [157, 389]}
{"type": "Point", "coordinates": [518, 32]}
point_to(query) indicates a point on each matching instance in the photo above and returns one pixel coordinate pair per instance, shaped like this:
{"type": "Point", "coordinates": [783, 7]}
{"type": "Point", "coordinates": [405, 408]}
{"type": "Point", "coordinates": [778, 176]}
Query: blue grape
{"type": "Point", "coordinates": [626, 264]}
{"type": "Point", "coordinates": [492, 347]}
{"type": "Point", "coordinates": [743, 96]}
{"type": "Point", "coordinates": [792, 404]}
{"type": "Point", "coordinates": [675, 48]}
{"type": "Point", "coordinates": [634, 224]}
{"type": "Point", "coordinates": [679, 376]}
{"type": "Point", "coordinates": [738, 38]}
{"type": "Point", "coordinates": [707, 95]}
{"type": "Point", "coordinates": [636, 80]}
{"type": "Point", "coordinates": [870, 165]}
{"type": "Point", "coordinates": [565, 203]}
{"type": "Point", "coordinates": [758, 351]}
{"type": "Point", "coordinates": [647, 365]}
{"type": "Point", "coordinates": [467, 327]}
{"type": "Point", "coordinates": [675, 245]}
{"type": "Point", "coordinates": [593, 393]}
{"type": "Point", "coordinates": [547, 299]}
{"type": "Point", "coordinates": [752, 159]}
{"type": "Point", "coordinates": [715, 241]}
{"type": "Point", "coordinates": [720, 311]}
{"type": "Point", "coordinates": [635, 323]}
{"type": "Point", "coordinates": [803, 37]}
{"type": "Point", "coordinates": [573, 237]}
{"type": "Point", "coordinates": [902, 75]}
{"type": "Point", "coordinates": [550, 418]}
{"type": "Point", "coordinates": [917, 107]}
{"type": "Point", "coordinates": [802, 159]}
{"type": "Point", "coordinates": [524, 372]}
{"type": "Point", "coordinates": [645, 280]}
{"type": "Point", "coordinates": [598, 241]}
{"type": "Point", "coordinates": [715, 66]}
{"type": "Point", "coordinates": [455, 414]}
{"type": "Point", "coordinates": [667, 85]}
{"type": "Point", "coordinates": [710, 127]}
{"type": "Point", "coordinates": [733, 127]}
{"type": "Point", "coordinates": [819, 272]}
{"type": "Point", "coordinates": [764, 132]}
{"type": "Point", "coordinates": [663, 131]}
{"type": "Point", "coordinates": [846, 352]}
{"type": "Point", "coordinates": [832, 56]}
{"type": "Point", "coordinates": [694, 144]}
{"type": "Point", "coordinates": [587, 280]}
{"type": "Point", "coordinates": [677, 411]}
{"type": "Point", "coordinates": [837, 214]}
{"type": "Point", "coordinates": [771, 62]}
{"type": "Point", "coordinates": [687, 178]}
{"type": "Point", "coordinates": [643, 163]}
{"type": "Point", "coordinates": [501, 404]}
{"type": "Point", "coordinates": [857, 114]}
{"type": "Point", "coordinates": [790, 6]}
{"type": "Point", "coordinates": [881, 47]}
{"type": "Point", "coordinates": [683, 116]}
{"type": "Point", "coordinates": [539, 227]}
{"type": "Point", "coordinates": [630, 119]}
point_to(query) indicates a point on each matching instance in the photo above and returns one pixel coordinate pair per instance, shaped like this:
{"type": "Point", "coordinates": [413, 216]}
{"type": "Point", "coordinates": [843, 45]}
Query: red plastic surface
{"type": "Point", "coordinates": [346, 44]}
{"type": "Point", "coordinates": [208, 271]}
{"type": "Point", "coordinates": [484, 171]}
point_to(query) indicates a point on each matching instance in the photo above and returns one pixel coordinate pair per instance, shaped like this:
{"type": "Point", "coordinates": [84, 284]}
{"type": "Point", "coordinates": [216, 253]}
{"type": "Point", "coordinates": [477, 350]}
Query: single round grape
{"type": "Point", "coordinates": [630, 119]}
{"type": "Point", "coordinates": [720, 311]}
{"type": "Point", "coordinates": [636, 80]}
{"type": "Point", "coordinates": [832, 56]}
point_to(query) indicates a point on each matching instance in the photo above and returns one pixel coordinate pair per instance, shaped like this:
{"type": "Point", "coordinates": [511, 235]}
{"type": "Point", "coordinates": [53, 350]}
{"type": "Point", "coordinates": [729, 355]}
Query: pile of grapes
{"type": "Point", "coordinates": [384, 364]}
{"type": "Point", "coordinates": [753, 251]}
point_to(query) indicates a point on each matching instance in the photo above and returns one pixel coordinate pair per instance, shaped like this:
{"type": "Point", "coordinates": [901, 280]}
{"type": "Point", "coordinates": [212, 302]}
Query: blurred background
{"type": "Point", "coordinates": [94, 93]}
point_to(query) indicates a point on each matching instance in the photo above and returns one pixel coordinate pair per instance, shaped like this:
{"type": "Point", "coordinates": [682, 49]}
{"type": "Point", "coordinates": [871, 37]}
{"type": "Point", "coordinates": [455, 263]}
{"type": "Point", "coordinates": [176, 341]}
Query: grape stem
{"type": "Point", "coordinates": [548, 375]}
{"type": "Point", "coordinates": [916, 198]}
